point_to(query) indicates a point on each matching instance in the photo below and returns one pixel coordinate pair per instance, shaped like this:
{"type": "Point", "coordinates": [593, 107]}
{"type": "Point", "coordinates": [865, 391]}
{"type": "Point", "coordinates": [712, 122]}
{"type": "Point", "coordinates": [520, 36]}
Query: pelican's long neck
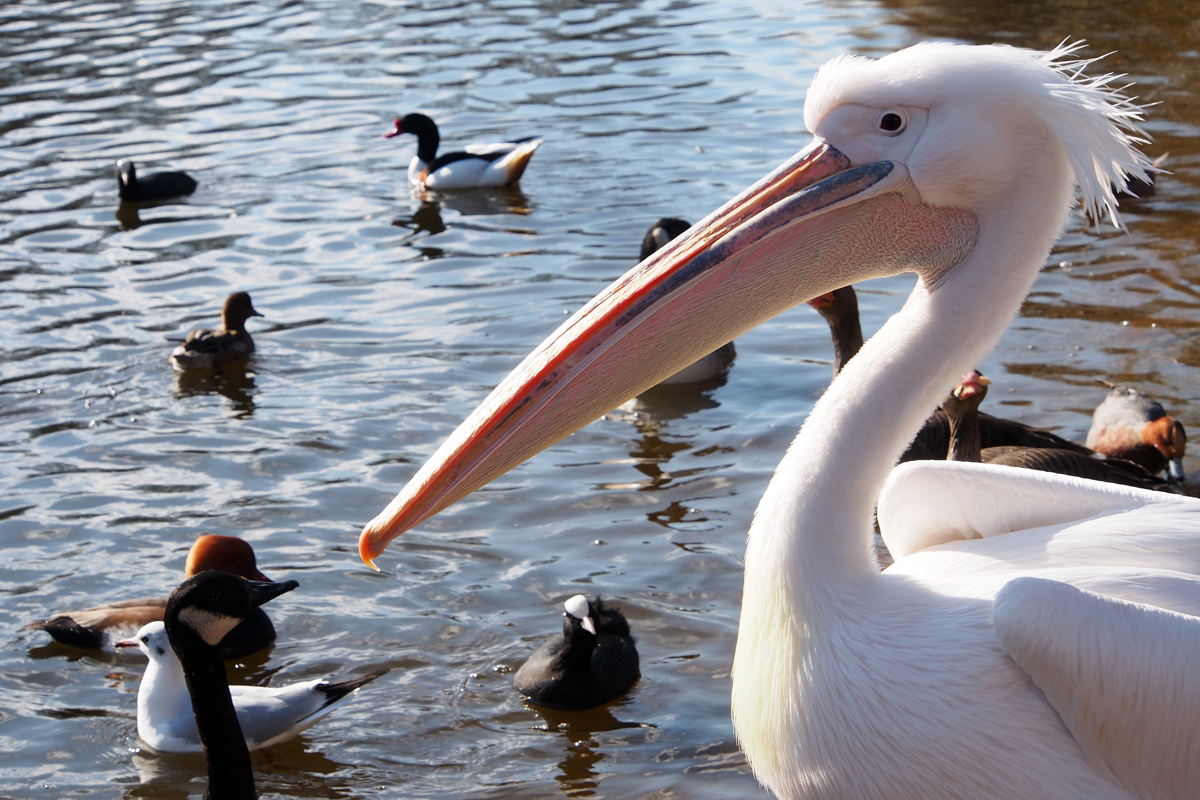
{"type": "Point", "coordinates": [810, 554]}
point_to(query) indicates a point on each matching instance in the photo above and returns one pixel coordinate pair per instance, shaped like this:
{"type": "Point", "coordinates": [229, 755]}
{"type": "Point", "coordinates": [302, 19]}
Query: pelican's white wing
{"type": "Point", "coordinates": [1121, 675]}
{"type": "Point", "coordinates": [926, 503]}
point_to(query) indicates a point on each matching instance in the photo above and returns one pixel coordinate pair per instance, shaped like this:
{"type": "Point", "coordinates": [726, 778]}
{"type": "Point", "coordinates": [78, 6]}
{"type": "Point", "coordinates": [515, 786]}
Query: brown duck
{"type": "Point", "coordinates": [205, 349]}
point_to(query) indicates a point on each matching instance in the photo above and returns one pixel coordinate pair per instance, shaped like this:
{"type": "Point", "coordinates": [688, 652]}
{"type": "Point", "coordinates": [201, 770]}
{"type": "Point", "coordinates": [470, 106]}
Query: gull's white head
{"type": "Point", "coordinates": [151, 640]}
{"type": "Point", "coordinates": [961, 119]}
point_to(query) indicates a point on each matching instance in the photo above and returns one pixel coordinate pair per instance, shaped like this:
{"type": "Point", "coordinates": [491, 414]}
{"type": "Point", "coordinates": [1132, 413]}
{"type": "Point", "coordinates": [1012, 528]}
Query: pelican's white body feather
{"type": "Point", "coordinates": [935, 679]}
{"type": "Point", "coordinates": [1033, 639]}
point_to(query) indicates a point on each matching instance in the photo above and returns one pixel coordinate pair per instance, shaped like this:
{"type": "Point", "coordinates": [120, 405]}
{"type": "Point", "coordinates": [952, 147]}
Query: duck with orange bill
{"type": "Point", "coordinates": [1038, 633]}
{"type": "Point", "coordinates": [99, 627]}
{"type": "Point", "coordinates": [476, 165]}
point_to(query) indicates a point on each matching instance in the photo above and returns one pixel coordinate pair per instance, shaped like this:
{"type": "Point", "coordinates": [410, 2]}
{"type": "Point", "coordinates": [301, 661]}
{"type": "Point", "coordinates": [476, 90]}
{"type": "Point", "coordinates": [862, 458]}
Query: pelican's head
{"type": "Point", "coordinates": [917, 157]}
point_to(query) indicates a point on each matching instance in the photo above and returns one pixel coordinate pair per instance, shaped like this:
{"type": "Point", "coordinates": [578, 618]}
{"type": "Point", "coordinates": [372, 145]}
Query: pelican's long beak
{"type": "Point", "coordinates": [794, 235]}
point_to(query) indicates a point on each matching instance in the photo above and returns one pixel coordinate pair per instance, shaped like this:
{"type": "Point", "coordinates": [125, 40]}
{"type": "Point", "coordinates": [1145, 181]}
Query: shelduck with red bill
{"type": "Point", "coordinates": [476, 165]}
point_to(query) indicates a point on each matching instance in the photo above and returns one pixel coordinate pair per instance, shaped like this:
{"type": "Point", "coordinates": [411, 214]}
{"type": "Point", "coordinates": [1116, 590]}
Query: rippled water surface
{"type": "Point", "coordinates": [388, 317]}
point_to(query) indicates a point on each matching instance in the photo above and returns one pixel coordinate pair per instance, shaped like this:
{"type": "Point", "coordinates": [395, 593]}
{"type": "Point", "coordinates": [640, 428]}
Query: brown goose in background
{"type": "Point", "coordinates": [962, 413]}
{"type": "Point", "coordinates": [99, 627]}
{"type": "Point", "coordinates": [204, 348]}
{"type": "Point", "coordinates": [1132, 425]}
{"type": "Point", "coordinates": [840, 310]}
{"type": "Point", "coordinates": [716, 363]}
{"type": "Point", "coordinates": [199, 613]}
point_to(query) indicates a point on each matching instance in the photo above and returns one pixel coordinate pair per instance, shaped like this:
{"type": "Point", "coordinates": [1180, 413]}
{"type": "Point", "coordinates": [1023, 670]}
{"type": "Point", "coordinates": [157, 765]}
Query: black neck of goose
{"type": "Point", "coordinates": [847, 339]}
{"type": "Point", "coordinates": [964, 431]}
{"type": "Point", "coordinates": [230, 776]}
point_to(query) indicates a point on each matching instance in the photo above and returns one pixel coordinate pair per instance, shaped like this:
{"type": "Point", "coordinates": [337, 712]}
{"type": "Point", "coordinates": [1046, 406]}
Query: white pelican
{"type": "Point", "coordinates": [1001, 656]}
{"type": "Point", "coordinates": [476, 165]}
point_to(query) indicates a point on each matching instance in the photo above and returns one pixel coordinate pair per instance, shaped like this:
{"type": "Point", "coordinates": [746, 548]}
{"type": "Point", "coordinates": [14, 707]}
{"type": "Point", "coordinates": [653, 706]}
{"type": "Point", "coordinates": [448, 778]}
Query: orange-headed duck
{"type": "Point", "coordinates": [204, 348]}
{"type": "Point", "coordinates": [267, 714]}
{"type": "Point", "coordinates": [1132, 425]}
{"type": "Point", "coordinates": [591, 662]}
{"type": "Point", "coordinates": [475, 165]}
{"type": "Point", "coordinates": [962, 412]}
{"type": "Point", "coordinates": [158, 186]}
{"type": "Point", "coordinates": [100, 627]}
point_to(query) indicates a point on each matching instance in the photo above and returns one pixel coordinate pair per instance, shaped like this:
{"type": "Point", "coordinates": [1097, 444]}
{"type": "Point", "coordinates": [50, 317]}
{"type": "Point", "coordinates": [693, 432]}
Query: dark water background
{"type": "Point", "coordinates": [389, 318]}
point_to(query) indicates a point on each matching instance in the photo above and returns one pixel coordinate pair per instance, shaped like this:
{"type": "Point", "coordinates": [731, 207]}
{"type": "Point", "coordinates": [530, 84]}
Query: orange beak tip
{"type": "Point", "coordinates": [365, 551]}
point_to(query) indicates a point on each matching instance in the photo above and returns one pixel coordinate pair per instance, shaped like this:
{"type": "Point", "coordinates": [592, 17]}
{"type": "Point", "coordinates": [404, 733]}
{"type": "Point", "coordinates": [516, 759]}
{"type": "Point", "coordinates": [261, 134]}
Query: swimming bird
{"type": "Point", "coordinates": [204, 348]}
{"type": "Point", "coordinates": [100, 627]}
{"type": "Point", "coordinates": [1133, 425]}
{"type": "Point", "coordinates": [267, 714]}
{"type": "Point", "coordinates": [840, 310]}
{"type": "Point", "coordinates": [199, 613]}
{"type": "Point", "coordinates": [157, 186]}
{"type": "Point", "coordinates": [716, 363]}
{"type": "Point", "coordinates": [475, 165]}
{"type": "Point", "coordinates": [592, 662]}
{"type": "Point", "coordinates": [961, 408]}
{"type": "Point", "coordinates": [1037, 635]}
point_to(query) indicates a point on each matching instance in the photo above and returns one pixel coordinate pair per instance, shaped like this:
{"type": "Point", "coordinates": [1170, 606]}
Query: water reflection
{"type": "Point", "coordinates": [287, 769]}
{"type": "Point", "coordinates": [577, 777]}
{"type": "Point", "coordinates": [481, 202]}
{"type": "Point", "coordinates": [235, 382]}
{"type": "Point", "coordinates": [426, 218]}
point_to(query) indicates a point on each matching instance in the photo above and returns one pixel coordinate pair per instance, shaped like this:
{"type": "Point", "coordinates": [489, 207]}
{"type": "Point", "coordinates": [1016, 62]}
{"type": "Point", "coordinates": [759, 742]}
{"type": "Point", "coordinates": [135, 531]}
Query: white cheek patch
{"type": "Point", "coordinates": [578, 607]}
{"type": "Point", "coordinates": [211, 627]}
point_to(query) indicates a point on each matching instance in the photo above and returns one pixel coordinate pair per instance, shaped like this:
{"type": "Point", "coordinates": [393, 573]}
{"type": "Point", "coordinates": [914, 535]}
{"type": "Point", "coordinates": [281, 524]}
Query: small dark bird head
{"type": "Point", "coordinates": [579, 612]}
{"type": "Point", "coordinates": [969, 392]}
{"type": "Point", "coordinates": [236, 311]}
{"type": "Point", "coordinates": [212, 603]}
{"type": "Point", "coordinates": [126, 177]}
{"type": "Point", "coordinates": [839, 304]}
{"type": "Point", "coordinates": [660, 233]}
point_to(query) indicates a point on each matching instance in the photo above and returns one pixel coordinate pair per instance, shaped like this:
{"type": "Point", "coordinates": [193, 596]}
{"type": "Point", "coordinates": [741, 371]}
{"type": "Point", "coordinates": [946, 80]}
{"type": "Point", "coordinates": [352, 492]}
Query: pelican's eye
{"type": "Point", "coordinates": [146, 639]}
{"type": "Point", "coordinates": [892, 122]}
